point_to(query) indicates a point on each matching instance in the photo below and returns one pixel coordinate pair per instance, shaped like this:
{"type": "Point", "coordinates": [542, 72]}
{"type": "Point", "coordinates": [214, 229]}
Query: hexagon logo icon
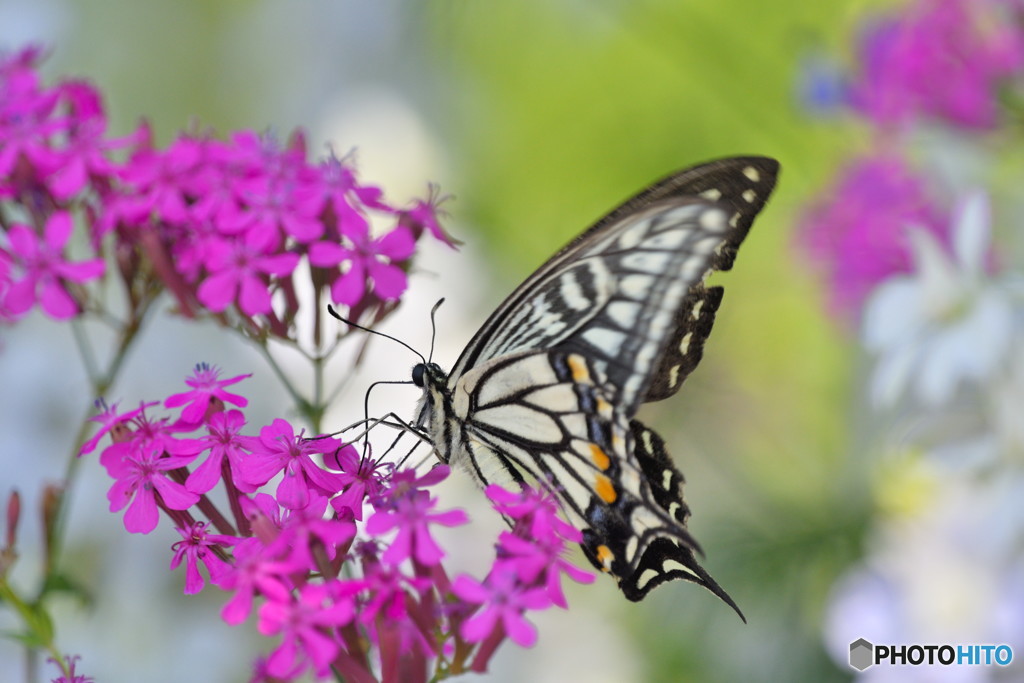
{"type": "Point", "coordinates": [861, 654]}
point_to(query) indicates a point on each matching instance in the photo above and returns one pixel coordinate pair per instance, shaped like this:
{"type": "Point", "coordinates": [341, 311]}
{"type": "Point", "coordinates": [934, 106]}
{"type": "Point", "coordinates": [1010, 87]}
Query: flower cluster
{"type": "Point", "coordinates": [337, 548]}
{"type": "Point", "coordinates": [242, 226]}
{"type": "Point", "coordinates": [248, 232]}
{"type": "Point", "coordinates": [939, 58]}
{"type": "Point", "coordinates": [940, 318]}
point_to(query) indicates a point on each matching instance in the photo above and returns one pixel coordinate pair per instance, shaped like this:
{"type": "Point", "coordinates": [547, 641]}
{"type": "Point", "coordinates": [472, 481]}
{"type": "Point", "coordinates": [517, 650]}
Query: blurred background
{"type": "Point", "coordinates": [537, 117]}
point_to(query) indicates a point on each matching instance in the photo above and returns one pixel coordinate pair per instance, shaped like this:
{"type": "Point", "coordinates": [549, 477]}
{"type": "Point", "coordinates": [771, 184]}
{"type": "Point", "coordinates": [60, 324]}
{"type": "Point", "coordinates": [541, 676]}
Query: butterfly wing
{"type": "Point", "coordinates": [740, 186]}
{"type": "Point", "coordinates": [548, 388]}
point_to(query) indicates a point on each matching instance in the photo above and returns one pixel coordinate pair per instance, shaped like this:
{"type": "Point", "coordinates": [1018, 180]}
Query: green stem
{"type": "Point", "coordinates": [101, 383]}
{"type": "Point", "coordinates": [312, 412]}
{"type": "Point", "coordinates": [39, 629]}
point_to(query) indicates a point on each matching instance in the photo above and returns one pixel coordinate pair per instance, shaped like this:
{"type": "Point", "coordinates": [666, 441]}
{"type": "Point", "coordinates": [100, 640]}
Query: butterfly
{"type": "Point", "coordinates": [547, 390]}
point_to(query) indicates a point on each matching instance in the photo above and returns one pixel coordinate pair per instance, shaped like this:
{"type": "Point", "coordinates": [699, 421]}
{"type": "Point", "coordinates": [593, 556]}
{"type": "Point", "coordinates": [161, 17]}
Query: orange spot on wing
{"type": "Point", "coordinates": [605, 557]}
{"type": "Point", "coordinates": [578, 367]}
{"type": "Point", "coordinates": [599, 457]}
{"type": "Point", "coordinates": [605, 489]}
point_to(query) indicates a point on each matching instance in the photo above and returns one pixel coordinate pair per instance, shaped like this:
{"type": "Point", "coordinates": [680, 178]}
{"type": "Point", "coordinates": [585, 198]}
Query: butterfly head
{"type": "Point", "coordinates": [428, 374]}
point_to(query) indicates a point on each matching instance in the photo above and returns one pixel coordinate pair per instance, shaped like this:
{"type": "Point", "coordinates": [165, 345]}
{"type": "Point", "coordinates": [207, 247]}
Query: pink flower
{"type": "Point", "coordinates": [109, 420]}
{"type": "Point", "coordinates": [941, 58]}
{"type": "Point", "coordinates": [279, 448]}
{"type": "Point", "coordinates": [424, 216]}
{"type": "Point", "coordinates": [368, 259]}
{"type": "Point", "coordinates": [85, 154]}
{"type": "Point", "coordinates": [308, 624]}
{"type": "Point", "coordinates": [412, 517]}
{"type": "Point", "coordinates": [361, 478]}
{"type": "Point", "coordinates": [305, 528]}
{"type": "Point", "coordinates": [205, 387]}
{"type": "Point", "coordinates": [73, 677]}
{"type": "Point", "coordinates": [534, 510]}
{"type": "Point", "coordinates": [270, 208]}
{"type": "Point", "coordinates": [255, 572]}
{"type": "Point", "coordinates": [505, 600]}
{"type": "Point", "coordinates": [534, 549]}
{"type": "Point", "coordinates": [225, 440]}
{"type": "Point", "coordinates": [140, 476]}
{"type": "Point", "coordinates": [197, 546]}
{"type": "Point", "coordinates": [388, 589]}
{"type": "Point", "coordinates": [26, 126]}
{"type": "Point", "coordinates": [239, 270]}
{"type": "Point", "coordinates": [155, 181]}
{"type": "Point", "coordinates": [340, 190]}
{"type": "Point", "coordinates": [858, 233]}
{"type": "Point", "coordinates": [45, 270]}
{"type": "Point", "coordinates": [539, 560]}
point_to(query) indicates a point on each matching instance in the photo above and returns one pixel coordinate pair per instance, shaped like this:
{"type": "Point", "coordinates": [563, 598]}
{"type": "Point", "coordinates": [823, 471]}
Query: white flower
{"type": "Point", "coordinates": [944, 323]}
{"type": "Point", "coordinates": [950, 573]}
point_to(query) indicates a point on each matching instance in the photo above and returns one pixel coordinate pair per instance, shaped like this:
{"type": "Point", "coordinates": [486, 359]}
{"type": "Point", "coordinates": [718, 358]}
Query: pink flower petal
{"type": "Point", "coordinates": [350, 287]}
{"type": "Point", "coordinates": [55, 301]}
{"type": "Point", "coordinates": [388, 281]}
{"type": "Point", "coordinates": [58, 230]}
{"type": "Point", "coordinates": [397, 245]}
{"type": "Point", "coordinates": [254, 298]}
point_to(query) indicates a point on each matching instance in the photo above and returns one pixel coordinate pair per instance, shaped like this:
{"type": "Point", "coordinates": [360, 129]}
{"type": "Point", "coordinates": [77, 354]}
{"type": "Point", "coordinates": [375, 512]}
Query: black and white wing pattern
{"type": "Point", "coordinates": [546, 392]}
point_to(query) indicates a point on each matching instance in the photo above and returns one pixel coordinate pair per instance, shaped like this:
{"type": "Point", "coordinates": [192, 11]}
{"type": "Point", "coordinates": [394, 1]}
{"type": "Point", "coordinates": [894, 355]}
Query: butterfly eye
{"type": "Point", "coordinates": [417, 374]}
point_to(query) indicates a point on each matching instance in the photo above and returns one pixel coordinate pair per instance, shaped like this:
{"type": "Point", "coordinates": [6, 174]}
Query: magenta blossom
{"type": "Point", "coordinates": [504, 601]}
{"type": "Point", "coordinates": [225, 440]}
{"type": "Point", "coordinates": [540, 561]}
{"type": "Point", "coordinates": [271, 208]}
{"type": "Point", "coordinates": [307, 623]}
{"type": "Point", "coordinates": [85, 155]}
{"type": "Point", "coordinates": [362, 478]}
{"type": "Point", "coordinates": [45, 270]}
{"type": "Point", "coordinates": [534, 510]}
{"type": "Point", "coordinates": [940, 58]}
{"type": "Point", "coordinates": [412, 516]}
{"type": "Point", "coordinates": [858, 234]}
{"type": "Point", "coordinates": [109, 420]}
{"type": "Point", "coordinates": [141, 476]}
{"type": "Point", "coordinates": [205, 386]}
{"type": "Point", "coordinates": [240, 270]}
{"type": "Point", "coordinates": [535, 549]}
{"type": "Point", "coordinates": [305, 529]}
{"type": "Point", "coordinates": [155, 180]}
{"type": "Point", "coordinates": [368, 258]}
{"type": "Point", "coordinates": [255, 572]}
{"type": "Point", "coordinates": [280, 448]}
{"type": "Point", "coordinates": [72, 676]}
{"type": "Point", "coordinates": [26, 116]}
{"type": "Point", "coordinates": [198, 546]}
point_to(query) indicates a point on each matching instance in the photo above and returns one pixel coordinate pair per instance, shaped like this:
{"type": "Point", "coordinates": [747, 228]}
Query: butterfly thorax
{"type": "Point", "coordinates": [443, 417]}
{"type": "Point", "coordinates": [434, 404]}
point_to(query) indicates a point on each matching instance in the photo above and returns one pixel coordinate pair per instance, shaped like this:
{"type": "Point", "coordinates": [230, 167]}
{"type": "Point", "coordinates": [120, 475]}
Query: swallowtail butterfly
{"type": "Point", "coordinates": [547, 390]}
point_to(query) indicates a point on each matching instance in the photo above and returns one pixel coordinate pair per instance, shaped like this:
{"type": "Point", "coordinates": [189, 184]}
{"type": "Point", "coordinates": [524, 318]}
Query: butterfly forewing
{"type": "Point", "coordinates": [740, 186]}
{"type": "Point", "coordinates": [691, 327]}
{"type": "Point", "coordinates": [547, 389]}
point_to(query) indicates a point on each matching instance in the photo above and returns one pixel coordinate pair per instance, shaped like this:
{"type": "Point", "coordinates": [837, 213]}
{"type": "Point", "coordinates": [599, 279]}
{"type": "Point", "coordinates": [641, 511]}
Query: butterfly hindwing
{"type": "Point", "coordinates": [667, 557]}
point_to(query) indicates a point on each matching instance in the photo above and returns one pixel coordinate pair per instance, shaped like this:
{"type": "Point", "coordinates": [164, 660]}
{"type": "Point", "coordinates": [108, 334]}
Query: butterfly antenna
{"type": "Point", "coordinates": [334, 313]}
{"type": "Point", "coordinates": [433, 326]}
